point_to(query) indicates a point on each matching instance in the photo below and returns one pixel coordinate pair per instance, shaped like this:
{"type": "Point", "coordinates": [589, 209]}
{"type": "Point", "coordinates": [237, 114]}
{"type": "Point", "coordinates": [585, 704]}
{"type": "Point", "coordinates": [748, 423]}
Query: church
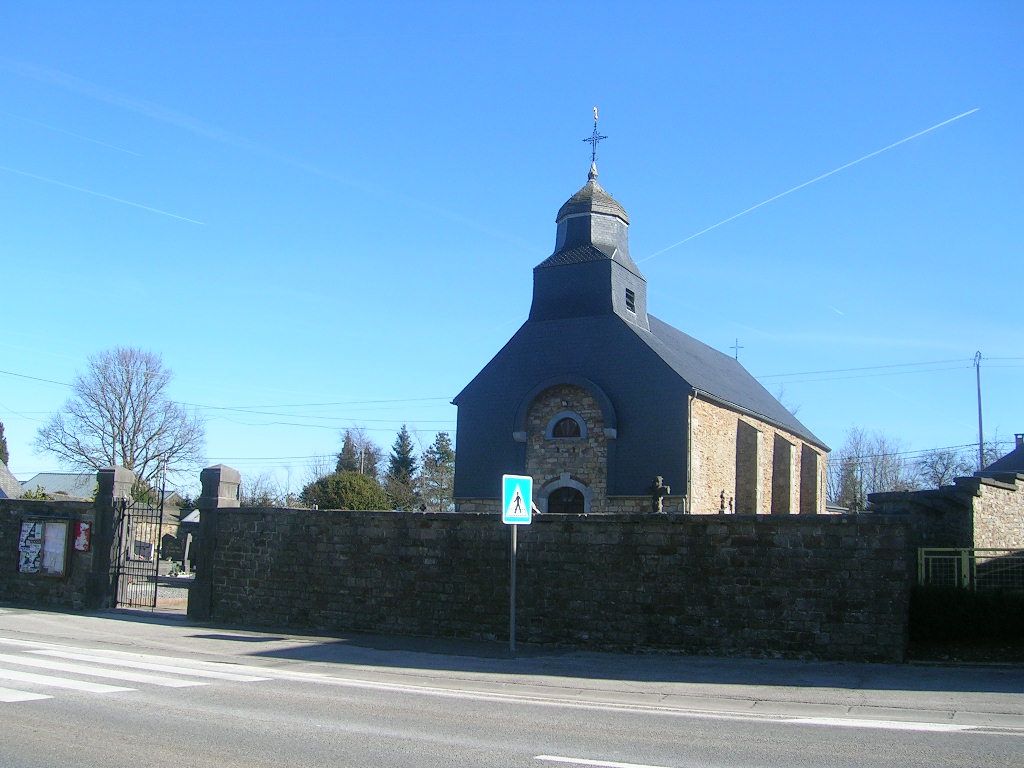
{"type": "Point", "coordinates": [611, 410]}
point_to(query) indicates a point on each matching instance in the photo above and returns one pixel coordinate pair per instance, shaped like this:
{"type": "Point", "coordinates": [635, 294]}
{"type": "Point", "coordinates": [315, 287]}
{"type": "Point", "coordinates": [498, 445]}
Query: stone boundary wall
{"type": "Point", "coordinates": [76, 588]}
{"type": "Point", "coordinates": [833, 587]}
{"type": "Point", "coordinates": [981, 512]}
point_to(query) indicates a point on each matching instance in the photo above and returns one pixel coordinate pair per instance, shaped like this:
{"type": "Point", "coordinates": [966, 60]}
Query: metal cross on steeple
{"type": "Point", "coordinates": [594, 138]}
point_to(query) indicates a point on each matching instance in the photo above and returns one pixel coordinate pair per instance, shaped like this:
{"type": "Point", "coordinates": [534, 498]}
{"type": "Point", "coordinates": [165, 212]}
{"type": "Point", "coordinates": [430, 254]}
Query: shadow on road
{"type": "Point", "coordinates": [452, 655]}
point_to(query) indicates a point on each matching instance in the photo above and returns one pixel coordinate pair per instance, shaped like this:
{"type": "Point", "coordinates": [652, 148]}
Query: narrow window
{"type": "Point", "coordinates": [630, 300]}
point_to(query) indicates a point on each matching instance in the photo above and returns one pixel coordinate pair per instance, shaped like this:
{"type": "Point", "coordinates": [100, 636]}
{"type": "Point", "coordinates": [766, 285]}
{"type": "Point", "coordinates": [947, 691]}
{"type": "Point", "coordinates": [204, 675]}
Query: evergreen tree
{"type": "Point", "coordinates": [5, 457]}
{"type": "Point", "coordinates": [358, 453]}
{"type": "Point", "coordinates": [400, 482]}
{"type": "Point", "coordinates": [437, 478]}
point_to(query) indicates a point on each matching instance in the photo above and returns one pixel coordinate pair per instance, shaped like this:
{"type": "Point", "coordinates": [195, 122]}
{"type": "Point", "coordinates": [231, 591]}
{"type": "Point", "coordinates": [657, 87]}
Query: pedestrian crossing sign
{"type": "Point", "coordinates": [516, 499]}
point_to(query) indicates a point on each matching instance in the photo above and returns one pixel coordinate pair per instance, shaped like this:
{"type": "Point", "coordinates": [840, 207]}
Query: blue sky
{"type": "Point", "coordinates": [326, 215]}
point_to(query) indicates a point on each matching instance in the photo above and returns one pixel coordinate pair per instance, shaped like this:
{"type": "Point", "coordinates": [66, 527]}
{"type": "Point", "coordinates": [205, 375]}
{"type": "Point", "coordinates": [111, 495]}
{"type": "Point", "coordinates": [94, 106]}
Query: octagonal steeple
{"type": "Point", "coordinates": [590, 271]}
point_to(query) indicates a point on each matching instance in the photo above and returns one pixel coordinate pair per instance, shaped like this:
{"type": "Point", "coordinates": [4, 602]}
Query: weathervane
{"type": "Point", "coordinates": [594, 138]}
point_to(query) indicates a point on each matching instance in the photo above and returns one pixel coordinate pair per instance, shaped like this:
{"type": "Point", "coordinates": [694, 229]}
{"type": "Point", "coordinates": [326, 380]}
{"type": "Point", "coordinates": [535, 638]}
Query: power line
{"type": "Point", "coordinates": [921, 451]}
{"type": "Point", "coordinates": [35, 378]}
{"type": "Point", "coordinates": [862, 368]}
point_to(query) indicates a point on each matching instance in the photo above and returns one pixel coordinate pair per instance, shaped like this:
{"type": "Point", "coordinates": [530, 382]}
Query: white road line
{"type": "Point", "coordinates": [181, 669]}
{"type": "Point", "coordinates": [599, 763]}
{"type": "Point", "coordinates": [886, 725]}
{"type": "Point", "coordinates": [9, 695]}
{"type": "Point", "coordinates": [95, 671]}
{"type": "Point", "coordinates": [59, 682]}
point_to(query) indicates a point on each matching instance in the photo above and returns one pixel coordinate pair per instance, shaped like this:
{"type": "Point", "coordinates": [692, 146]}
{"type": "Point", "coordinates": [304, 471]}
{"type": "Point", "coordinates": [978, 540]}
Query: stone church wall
{"type": "Point", "coordinates": [770, 485]}
{"type": "Point", "coordinates": [822, 586]}
{"type": "Point", "coordinates": [547, 458]}
{"type": "Point", "coordinates": [783, 474]}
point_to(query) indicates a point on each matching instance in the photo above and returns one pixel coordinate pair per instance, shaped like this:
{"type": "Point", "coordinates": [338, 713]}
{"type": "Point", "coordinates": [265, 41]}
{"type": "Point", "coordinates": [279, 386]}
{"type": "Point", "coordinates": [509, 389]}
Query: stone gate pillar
{"type": "Point", "coordinates": [220, 491]}
{"type": "Point", "coordinates": [114, 490]}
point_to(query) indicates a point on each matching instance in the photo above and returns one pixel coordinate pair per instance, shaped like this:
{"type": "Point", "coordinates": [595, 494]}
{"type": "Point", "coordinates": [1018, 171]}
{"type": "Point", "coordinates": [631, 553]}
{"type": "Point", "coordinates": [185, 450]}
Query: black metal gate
{"type": "Point", "coordinates": [137, 530]}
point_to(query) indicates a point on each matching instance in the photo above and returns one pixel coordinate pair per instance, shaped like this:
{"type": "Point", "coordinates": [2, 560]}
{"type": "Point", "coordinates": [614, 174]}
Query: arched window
{"type": "Point", "coordinates": [566, 425]}
{"type": "Point", "coordinates": [566, 501]}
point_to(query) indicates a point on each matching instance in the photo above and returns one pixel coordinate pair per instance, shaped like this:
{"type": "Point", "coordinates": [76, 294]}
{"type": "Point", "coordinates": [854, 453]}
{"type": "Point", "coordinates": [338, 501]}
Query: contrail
{"type": "Point", "coordinates": [99, 194]}
{"type": "Point", "coordinates": [185, 122]}
{"type": "Point", "coordinates": [77, 136]}
{"type": "Point", "coordinates": [808, 183]}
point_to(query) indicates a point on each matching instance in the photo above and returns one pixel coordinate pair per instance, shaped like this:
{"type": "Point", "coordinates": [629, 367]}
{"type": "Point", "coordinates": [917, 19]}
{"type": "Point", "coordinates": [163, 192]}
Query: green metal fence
{"type": "Point", "coordinates": [974, 569]}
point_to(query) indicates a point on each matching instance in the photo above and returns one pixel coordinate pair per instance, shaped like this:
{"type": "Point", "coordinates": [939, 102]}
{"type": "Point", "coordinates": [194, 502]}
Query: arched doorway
{"type": "Point", "coordinates": [566, 501]}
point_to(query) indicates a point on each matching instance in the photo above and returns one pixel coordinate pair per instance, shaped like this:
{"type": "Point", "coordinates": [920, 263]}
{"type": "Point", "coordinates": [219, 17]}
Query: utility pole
{"type": "Point", "coordinates": [981, 434]}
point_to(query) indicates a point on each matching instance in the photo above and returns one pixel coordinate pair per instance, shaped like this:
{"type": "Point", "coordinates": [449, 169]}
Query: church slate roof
{"type": "Point", "coordinates": [715, 374]}
{"type": "Point", "coordinates": [579, 254]}
{"type": "Point", "coordinates": [592, 199]}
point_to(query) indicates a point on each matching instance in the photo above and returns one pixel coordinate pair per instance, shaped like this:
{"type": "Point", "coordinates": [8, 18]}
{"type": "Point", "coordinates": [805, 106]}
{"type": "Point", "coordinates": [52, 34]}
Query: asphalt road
{"type": "Point", "coordinates": [126, 690]}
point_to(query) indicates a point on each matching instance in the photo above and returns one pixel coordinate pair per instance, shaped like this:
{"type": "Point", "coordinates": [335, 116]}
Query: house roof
{"type": "Point", "coordinates": [10, 488]}
{"type": "Point", "coordinates": [70, 484]}
{"type": "Point", "coordinates": [1013, 462]}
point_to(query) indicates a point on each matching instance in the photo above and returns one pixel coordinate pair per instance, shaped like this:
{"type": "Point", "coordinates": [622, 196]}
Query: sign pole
{"type": "Point", "coordinates": [516, 509]}
{"type": "Point", "coordinates": [512, 595]}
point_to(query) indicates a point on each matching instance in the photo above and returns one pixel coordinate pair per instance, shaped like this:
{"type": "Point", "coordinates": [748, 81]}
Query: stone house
{"type": "Point", "coordinates": [610, 409]}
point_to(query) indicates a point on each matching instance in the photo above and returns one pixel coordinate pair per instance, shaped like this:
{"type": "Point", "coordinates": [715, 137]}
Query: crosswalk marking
{"type": "Point", "coordinates": [9, 696]}
{"type": "Point", "coordinates": [59, 666]}
{"type": "Point", "coordinates": [59, 682]}
{"type": "Point", "coordinates": [95, 671]}
{"type": "Point", "coordinates": [191, 671]}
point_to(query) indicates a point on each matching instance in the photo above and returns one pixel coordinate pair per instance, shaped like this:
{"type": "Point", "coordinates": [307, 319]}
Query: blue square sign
{"type": "Point", "coordinates": [516, 499]}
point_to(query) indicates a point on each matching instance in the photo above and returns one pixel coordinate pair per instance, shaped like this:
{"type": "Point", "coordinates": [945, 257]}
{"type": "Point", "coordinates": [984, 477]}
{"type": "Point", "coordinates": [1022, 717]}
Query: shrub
{"type": "Point", "coordinates": [345, 490]}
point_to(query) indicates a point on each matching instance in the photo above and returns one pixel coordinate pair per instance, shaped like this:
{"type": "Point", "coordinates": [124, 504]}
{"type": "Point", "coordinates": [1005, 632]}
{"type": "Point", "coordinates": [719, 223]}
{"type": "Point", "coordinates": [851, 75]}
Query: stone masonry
{"type": "Point", "coordinates": [713, 464]}
{"type": "Point", "coordinates": [820, 586]}
{"type": "Point", "coordinates": [75, 589]}
{"type": "Point", "coordinates": [983, 513]}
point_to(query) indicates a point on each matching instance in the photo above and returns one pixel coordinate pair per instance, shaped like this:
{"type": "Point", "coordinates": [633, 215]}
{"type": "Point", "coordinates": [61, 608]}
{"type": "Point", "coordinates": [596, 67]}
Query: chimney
{"type": "Point", "coordinates": [1020, 439]}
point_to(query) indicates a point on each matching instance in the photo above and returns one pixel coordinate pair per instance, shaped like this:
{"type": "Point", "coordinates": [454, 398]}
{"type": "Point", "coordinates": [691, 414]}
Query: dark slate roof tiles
{"type": "Point", "coordinates": [592, 199]}
{"type": "Point", "coordinates": [719, 376]}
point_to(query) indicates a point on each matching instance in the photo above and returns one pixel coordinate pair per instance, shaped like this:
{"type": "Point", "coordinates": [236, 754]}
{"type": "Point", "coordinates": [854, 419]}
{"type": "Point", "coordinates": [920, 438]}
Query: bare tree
{"type": "Point", "coordinates": [941, 466]}
{"type": "Point", "coordinates": [262, 490]}
{"type": "Point", "coordinates": [319, 467]}
{"type": "Point", "coordinates": [868, 462]}
{"type": "Point", "coordinates": [121, 415]}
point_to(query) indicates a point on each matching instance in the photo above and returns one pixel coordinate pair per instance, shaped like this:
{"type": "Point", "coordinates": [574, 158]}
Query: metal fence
{"type": "Point", "coordinates": [980, 570]}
